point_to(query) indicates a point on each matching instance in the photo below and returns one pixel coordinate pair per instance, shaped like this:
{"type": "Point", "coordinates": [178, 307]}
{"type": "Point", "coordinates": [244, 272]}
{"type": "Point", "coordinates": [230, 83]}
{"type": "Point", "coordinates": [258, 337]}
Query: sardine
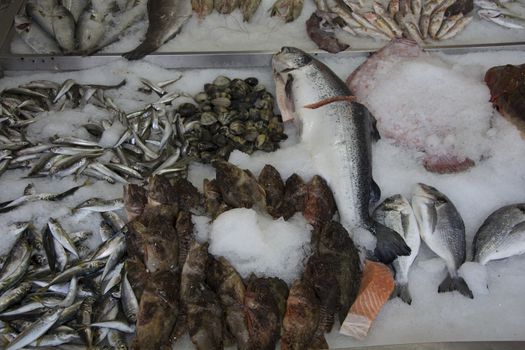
{"type": "Point", "coordinates": [16, 264]}
{"type": "Point", "coordinates": [82, 269]}
{"type": "Point", "coordinates": [396, 213]}
{"type": "Point", "coordinates": [501, 235]}
{"type": "Point", "coordinates": [61, 236]}
{"type": "Point", "coordinates": [166, 17]}
{"type": "Point", "coordinates": [348, 132]}
{"type": "Point", "coordinates": [130, 304]}
{"type": "Point", "coordinates": [101, 205]}
{"type": "Point", "coordinates": [442, 229]}
{"type": "Point", "coordinates": [35, 330]}
{"type": "Point", "coordinates": [13, 296]}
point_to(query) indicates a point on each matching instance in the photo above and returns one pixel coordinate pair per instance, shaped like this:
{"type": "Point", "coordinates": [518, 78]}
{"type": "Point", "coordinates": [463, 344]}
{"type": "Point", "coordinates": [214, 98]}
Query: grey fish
{"type": "Point", "coordinates": [101, 205]}
{"type": "Point", "coordinates": [166, 17]}
{"type": "Point", "coordinates": [64, 28]}
{"type": "Point", "coordinates": [442, 229]}
{"type": "Point", "coordinates": [10, 205]}
{"type": "Point", "coordinates": [130, 304]}
{"type": "Point", "coordinates": [16, 264]}
{"type": "Point", "coordinates": [117, 325]}
{"type": "Point", "coordinates": [42, 13]}
{"type": "Point", "coordinates": [55, 339]}
{"type": "Point", "coordinates": [61, 235]}
{"type": "Point", "coordinates": [396, 213]}
{"type": "Point", "coordinates": [82, 269]}
{"type": "Point", "coordinates": [13, 296]}
{"type": "Point", "coordinates": [501, 235]}
{"type": "Point", "coordinates": [37, 329]}
{"type": "Point", "coordinates": [76, 7]}
{"type": "Point", "coordinates": [36, 38]}
{"type": "Point", "coordinates": [90, 29]}
{"type": "Point", "coordinates": [125, 20]}
{"type": "Point", "coordinates": [349, 132]}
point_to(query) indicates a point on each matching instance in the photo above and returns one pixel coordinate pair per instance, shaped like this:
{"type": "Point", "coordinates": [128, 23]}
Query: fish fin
{"type": "Point", "coordinates": [288, 88]}
{"type": "Point", "coordinates": [373, 127]}
{"type": "Point", "coordinates": [144, 49]}
{"type": "Point", "coordinates": [329, 100]}
{"type": "Point", "coordinates": [450, 284]}
{"type": "Point", "coordinates": [401, 291]}
{"type": "Point", "coordinates": [389, 245]}
{"type": "Point", "coordinates": [517, 229]}
{"type": "Point", "coordinates": [375, 193]}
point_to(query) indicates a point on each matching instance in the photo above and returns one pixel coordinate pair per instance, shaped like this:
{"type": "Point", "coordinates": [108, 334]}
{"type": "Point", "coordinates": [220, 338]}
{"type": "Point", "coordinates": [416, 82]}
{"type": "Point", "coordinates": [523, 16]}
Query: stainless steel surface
{"type": "Point", "coordinates": [474, 345]}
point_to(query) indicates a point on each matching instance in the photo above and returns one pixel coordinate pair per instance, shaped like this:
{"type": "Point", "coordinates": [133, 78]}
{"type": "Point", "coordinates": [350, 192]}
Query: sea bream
{"type": "Point", "coordinates": [502, 234]}
{"type": "Point", "coordinates": [339, 132]}
{"type": "Point", "coordinates": [396, 213]}
{"type": "Point", "coordinates": [442, 229]}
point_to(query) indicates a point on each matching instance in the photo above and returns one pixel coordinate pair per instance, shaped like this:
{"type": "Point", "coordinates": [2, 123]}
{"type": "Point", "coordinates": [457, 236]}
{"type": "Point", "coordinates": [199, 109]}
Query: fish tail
{"type": "Point", "coordinates": [390, 244]}
{"type": "Point", "coordinates": [140, 51]}
{"type": "Point", "coordinates": [450, 284]}
{"type": "Point", "coordinates": [401, 291]}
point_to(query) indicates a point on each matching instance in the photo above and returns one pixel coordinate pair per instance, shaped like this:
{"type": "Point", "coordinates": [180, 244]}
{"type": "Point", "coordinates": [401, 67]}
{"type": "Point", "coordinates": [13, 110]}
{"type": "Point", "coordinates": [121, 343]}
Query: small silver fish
{"type": "Point", "coordinates": [101, 205]}
{"type": "Point", "coordinates": [35, 330]}
{"type": "Point", "coordinates": [501, 19]}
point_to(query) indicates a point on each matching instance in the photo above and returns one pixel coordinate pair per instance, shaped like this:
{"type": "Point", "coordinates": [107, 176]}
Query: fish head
{"type": "Point", "coordinates": [22, 23]}
{"type": "Point", "coordinates": [486, 13]}
{"type": "Point", "coordinates": [290, 58]}
{"type": "Point", "coordinates": [395, 203]}
{"type": "Point", "coordinates": [429, 194]}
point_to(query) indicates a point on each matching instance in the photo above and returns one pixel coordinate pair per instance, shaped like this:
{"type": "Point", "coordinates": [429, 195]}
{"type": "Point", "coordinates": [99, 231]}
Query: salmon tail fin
{"type": "Point", "coordinates": [401, 291]}
{"type": "Point", "coordinates": [140, 51]}
{"type": "Point", "coordinates": [450, 284]}
{"type": "Point", "coordinates": [389, 245]}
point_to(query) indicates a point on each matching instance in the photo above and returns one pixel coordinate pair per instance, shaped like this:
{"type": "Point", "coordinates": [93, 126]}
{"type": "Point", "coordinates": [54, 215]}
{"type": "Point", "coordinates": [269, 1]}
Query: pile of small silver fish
{"type": "Point", "coordinates": [55, 290]}
{"type": "Point", "coordinates": [421, 21]}
{"type": "Point", "coordinates": [505, 13]}
{"type": "Point", "coordinates": [288, 10]}
{"type": "Point", "coordinates": [76, 27]}
{"type": "Point", "coordinates": [157, 139]}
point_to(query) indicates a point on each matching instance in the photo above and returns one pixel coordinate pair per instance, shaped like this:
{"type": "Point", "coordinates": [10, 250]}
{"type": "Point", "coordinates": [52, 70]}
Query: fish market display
{"type": "Point", "coordinates": [321, 104]}
{"type": "Point", "coordinates": [502, 234]}
{"type": "Point", "coordinates": [158, 139]}
{"type": "Point", "coordinates": [442, 229]}
{"type": "Point", "coordinates": [507, 92]}
{"type": "Point", "coordinates": [396, 213]}
{"type": "Point", "coordinates": [444, 142]}
{"type": "Point", "coordinates": [166, 18]}
{"type": "Point", "coordinates": [422, 22]}
{"type": "Point", "coordinates": [507, 14]}
{"type": "Point", "coordinates": [376, 287]}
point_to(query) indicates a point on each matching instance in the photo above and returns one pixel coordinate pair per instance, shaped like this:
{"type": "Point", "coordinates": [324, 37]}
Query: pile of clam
{"type": "Point", "coordinates": [231, 114]}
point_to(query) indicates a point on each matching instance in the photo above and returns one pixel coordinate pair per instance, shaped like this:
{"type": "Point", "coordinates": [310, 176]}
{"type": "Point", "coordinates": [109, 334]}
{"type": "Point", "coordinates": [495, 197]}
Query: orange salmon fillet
{"type": "Point", "coordinates": [376, 286]}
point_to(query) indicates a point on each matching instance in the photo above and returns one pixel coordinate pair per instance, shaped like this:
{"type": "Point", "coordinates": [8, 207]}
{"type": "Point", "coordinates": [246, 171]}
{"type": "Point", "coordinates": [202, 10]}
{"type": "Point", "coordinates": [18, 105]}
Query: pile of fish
{"type": "Point", "coordinates": [55, 290]}
{"type": "Point", "coordinates": [76, 27]}
{"type": "Point", "coordinates": [414, 19]}
{"type": "Point", "coordinates": [207, 297]}
{"type": "Point", "coordinates": [157, 139]}
{"type": "Point", "coordinates": [506, 13]}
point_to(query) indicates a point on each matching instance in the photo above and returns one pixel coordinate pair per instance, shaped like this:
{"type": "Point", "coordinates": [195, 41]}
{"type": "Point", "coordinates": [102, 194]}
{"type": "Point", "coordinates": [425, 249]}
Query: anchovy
{"type": "Point", "coordinates": [37, 329]}
{"type": "Point", "coordinates": [347, 126]}
{"type": "Point", "coordinates": [501, 235]}
{"type": "Point", "coordinates": [442, 229]}
{"type": "Point", "coordinates": [166, 17]}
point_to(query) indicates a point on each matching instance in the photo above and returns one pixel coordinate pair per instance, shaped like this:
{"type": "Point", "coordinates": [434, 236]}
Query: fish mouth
{"type": "Point", "coordinates": [289, 59]}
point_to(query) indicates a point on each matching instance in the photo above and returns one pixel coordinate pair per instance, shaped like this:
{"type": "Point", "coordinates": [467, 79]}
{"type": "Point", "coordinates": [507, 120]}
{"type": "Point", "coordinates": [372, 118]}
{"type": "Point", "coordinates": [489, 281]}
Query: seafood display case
{"type": "Point", "coordinates": [241, 60]}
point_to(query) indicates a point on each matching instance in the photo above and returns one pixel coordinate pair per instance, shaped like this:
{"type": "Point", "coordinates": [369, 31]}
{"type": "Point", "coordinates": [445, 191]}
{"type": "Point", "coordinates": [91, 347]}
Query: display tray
{"type": "Point", "coordinates": [227, 41]}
